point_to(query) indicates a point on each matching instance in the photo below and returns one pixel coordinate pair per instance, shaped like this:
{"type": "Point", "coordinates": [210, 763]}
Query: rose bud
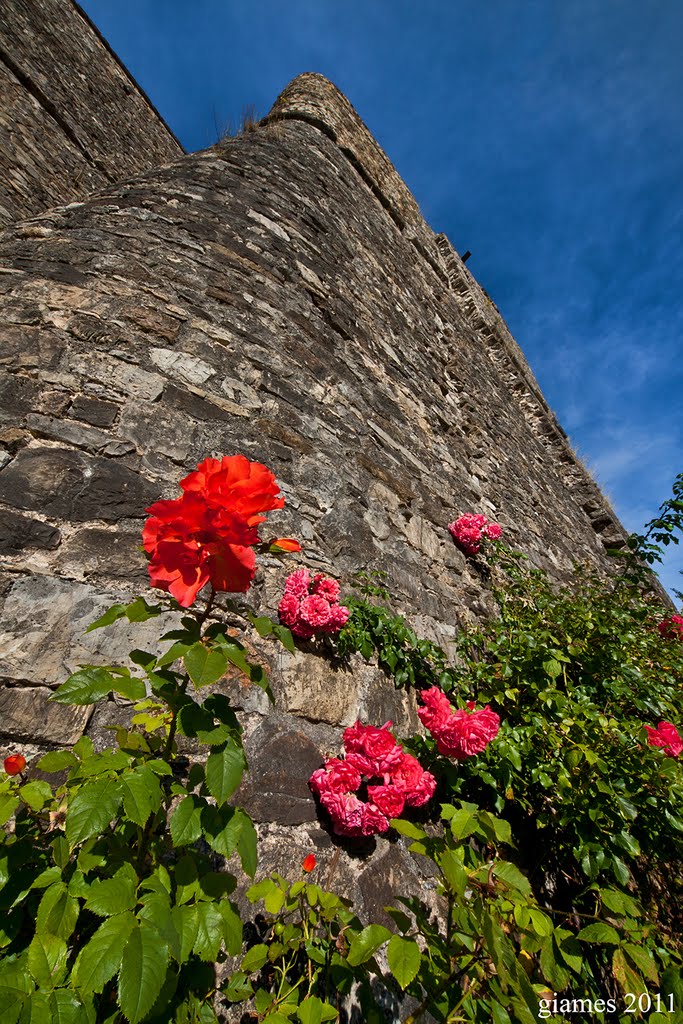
{"type": "Point", "coordinates": [14, 764]}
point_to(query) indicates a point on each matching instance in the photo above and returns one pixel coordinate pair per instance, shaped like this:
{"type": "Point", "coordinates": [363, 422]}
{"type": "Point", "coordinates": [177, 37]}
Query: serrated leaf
{"type": "Point", "coordinates": [462, 824]}
{"type": "Point", "coordinates": [47, 959]}
{"type": "Point", "coordinates": [254, 958]}
{"type": "Point", "coordinates": [205, 666]}
{"type": "Point", "coordinates": [91, 809]}
{"type": "Point", "coordinates": [599, 932]}
{"type": "Point", "coordinates": [224, 768]}
{"type": "Point", "coordinates": [66, 1008]}
{"type": "Point", "coordinates": [8, 805]}
{"type": "Point", "coordinates": [366, 943]}
{"type": "Point", "coordinates": [232, 927]}
{"type": "Point", "coordinates": [100, 959]}
{"type": "Point", "coordinates": [314, 1011]}
{"type": "Point", "coordinates": [117, 611]}
{"type": "Point", "coordinates": [139, 611]}
{"type": "Point", "coordinates": [56, 761]}
{"type": "Point", "coordinates": [57, 912]}
{"type": "Point", "coordinates": [643, 960]}
{"type": "Point", "coordinates": [142, 794]}
{"type": "Point", "coordinates": [453, 871]}
{"type": "Point", "coordinates": [404, 958]}
{"type": "Point", "coordinates": [247, 844]}
{"type": "Point", "coordinates": [629, 981]}
{"type": "Point", "coordinates": [186, 923]}
{"type": "Point", "coordinates": [186, 821]}
{"type": "Point", "coordinates": [209, 931]}
{"type": "Point", "coordinates": [86, 686]}
{"type": "Point", "coordinates": [130, 687]}
{"type": "Point", "coordinates": [36, 794]}
{"type": "Point", "coordinates": [111, 895]}
{"type": "Point", "coordinates": [512, 876]}
{"type": "Point", "coordinates": [143, 972]}
{"type": "Point", "coordinates": [221, 827]}
{"type": "Point", "coordinates": [406, 828]}
{"type": "Point", "coordinates": [156, 912]}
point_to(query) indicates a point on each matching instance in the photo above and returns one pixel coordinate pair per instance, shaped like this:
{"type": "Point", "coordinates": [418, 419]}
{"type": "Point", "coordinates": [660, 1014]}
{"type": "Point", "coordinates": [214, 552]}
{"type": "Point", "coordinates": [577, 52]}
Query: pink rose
{"type": "Point", "coordinates": [665, 736]}
{"type": "Point", "coordinates": [298, 582]}
{"type": "Point", "coordinates": [373, 821]}
{"type": "Point", "coordinates": [373, 751]}
{"type": "Point", "coordinates": [315, 611]}
{"type": "Point", "coordinates": [342, 776]}
{"type": "Point", "coordinates": [325, 587]}
{"type": "Point", "coordinates": [339, 615]}
{"type": "Point", "coordinates": [288, 609]}
{"type": "Point", "coordinates": [346, 811]}
{"type": "Point", "coordinates": [416, 784]}
{"type": "Point", "coordinates": [493, 531]}
{"type": "Point", "coordinates": [388, 799]}
{"type": "Point", "coordinates": [467, 733]}
{"type": "Point", "coordinates": [437, 709]}
{"type": "Point", "coordinates": [672, 628]}
{"type": "Point", "coordinates": [468, 530]}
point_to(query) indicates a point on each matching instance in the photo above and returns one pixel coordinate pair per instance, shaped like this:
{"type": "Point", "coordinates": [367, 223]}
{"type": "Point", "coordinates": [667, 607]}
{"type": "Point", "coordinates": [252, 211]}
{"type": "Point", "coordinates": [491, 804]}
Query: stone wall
{"type": "Point", "coordinates": [278, 295]}
{"type": "Point", "coordinates": [72, 119]}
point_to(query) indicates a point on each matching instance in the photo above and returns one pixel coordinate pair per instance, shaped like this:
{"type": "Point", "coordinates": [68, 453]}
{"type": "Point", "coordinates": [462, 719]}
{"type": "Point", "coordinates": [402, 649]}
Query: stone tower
{"type": "Point", "coordinates": [277, 295]}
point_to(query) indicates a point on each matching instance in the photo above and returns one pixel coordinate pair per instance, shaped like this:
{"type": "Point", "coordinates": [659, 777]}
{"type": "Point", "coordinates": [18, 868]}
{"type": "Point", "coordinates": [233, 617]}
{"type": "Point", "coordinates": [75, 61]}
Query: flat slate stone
{"type": "Point", "coordinates": [281, 761]}
{"type": "Point", "coordinates": [18, 532]}
{"type": "Point", "coordinates": [27, 714]}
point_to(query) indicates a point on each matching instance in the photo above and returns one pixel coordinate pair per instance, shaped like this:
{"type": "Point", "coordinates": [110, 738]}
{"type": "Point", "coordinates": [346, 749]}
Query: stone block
{"type": "Point", "coordinates": [26, 713]}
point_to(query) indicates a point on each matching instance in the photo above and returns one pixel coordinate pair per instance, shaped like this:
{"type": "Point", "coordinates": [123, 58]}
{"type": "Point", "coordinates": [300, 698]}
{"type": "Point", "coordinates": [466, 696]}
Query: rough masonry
{"type": "Point", "coordinates": [278, 295]}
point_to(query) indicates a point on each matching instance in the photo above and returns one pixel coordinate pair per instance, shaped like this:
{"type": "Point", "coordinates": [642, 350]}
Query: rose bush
{"type": "Point", "coordinates": [469, 530]}
{"type": "Point", "coordinates": [377, 766]}
{"type": "Point", "coordinates": [310, 605]}
{"type": "Point", "coordinates": [458, 733]}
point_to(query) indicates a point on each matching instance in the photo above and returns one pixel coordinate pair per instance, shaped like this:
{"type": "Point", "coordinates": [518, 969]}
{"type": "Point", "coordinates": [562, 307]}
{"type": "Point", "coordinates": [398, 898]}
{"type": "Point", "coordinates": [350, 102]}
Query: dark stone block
{"type": "Point", "coordinates": [74, 486]}
{"type": "Point", "coordinates": [92, 410]}
{"type": "Point", "coordinates": [18, 532]}
{"type": "Point", "coordinates": [281, 761]}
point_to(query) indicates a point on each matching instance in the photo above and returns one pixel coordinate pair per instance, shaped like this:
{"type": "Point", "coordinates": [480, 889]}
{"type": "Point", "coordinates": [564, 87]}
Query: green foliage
{"type": "Point", "coordinates": [109, 900]}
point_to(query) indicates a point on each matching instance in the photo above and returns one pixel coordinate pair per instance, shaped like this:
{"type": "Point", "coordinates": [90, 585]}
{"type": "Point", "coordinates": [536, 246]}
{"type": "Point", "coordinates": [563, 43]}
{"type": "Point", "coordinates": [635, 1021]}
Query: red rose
{"type": "Point", "coordinates": [667, 737]}
{"type": "Point", "coordinates": [388, 799]}
{"type": "Point", "coordinates": [14, 764]}
{"type": "Point", "coordinates": [237, 485]}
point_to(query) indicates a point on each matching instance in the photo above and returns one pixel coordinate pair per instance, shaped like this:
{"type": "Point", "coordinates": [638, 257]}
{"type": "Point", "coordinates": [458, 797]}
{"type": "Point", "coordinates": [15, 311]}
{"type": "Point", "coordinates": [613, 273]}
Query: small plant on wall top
{"type": "Point", "coordinates": [543, 793]}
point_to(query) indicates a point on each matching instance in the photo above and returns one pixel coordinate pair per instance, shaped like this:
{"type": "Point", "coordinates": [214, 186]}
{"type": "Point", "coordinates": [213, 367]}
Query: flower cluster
{"type": "Point", "coordinates": [376, 765]}
{"type": "Point", "coordinates": [672, 628]}
{"type": "Point", "coordinates": [469, 529]}
{"type": "Point", "coordinates": [310, 605]}
{"type": "Point", "coordinates": [667, 737]}
{"type": "Point", "coordinates": [458, 733]}
{"type": "Point", "coordinates": [208, 534]}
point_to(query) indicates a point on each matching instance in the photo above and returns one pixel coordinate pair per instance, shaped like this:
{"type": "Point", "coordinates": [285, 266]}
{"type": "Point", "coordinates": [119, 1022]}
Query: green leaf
{"type": "Point", "coordinates": [254, 958]}
{"type": "Point", "coordinates": [462, 824]}
{"type": "Point", "coordinates": [142, 794]}
{"type": "Point", "coordinates": [314, 1011]}
{"type": "Point", "coordinates": [552, 668]}
{"type": "Point", "coordinates": [540, 922]}
{"type": "Point", "coordinates": [91, 809]}
{"type": "Point", "coordinates": [117, 611]}
{"type": "Point", "coordinates": [210, 926]}
{"type": "Point", "coordinates": [224, 768]}
{"type": "Point", "coordinates": [57, 912]}
{"type": "Point", "coordinates": [47, 956]}
{"type": "Point", "coordinates": [66, 1008]}
{"type": "Point", "coordinates": [36, 794]}
{"type": "Point", "coordinates": [599, 932]}
{"type": "Point", "coordinates": [232, 927]}
{"type": "Point", "coordinates": [204, 666]}
{"type": "Point", "coordinates": [130, 687]}
{"type": "Point", "coordinates": [404, 959]}
{"type": "Point", "coordinates": [454, 873]}
{"type": "Point", "coordinates": [247, 844]}
{"type": "Point", "coordinates": [285, 637]}
{"type": "Point", "coordinates": [8, 805]}
{"type": "Point", "coordinates": [221, 827]}
{"type": "Point", "coordinates": [366, 943]}
{"type": "Point", "coordinates": [156, 912]}
{"type": "Point", "coordinates": [139, 611]}
{"type": "Point", "coordinates": [186, 821]}
{"type": "Point", "coordinates": [512, 876]}
{"type": "Point", "coordinates": [86, 686]}
{"type": "Point", "coordinates": [143, 972]}
{"type": "Point", "coordinates": [83, 748]}
{"type": "Point", "coordinates": [112, 895]}
{"type": "Point", "coordinates": [56, 761]}
{"type": "Point", "coordinates": [643, 960]}
{"type": "Point", "coordinates": [100, 959]}
{"type": "Point", "coordinates": [186, 921]}
{"type": "Point", "coordinates": [406, 828]}
{"type": "Point", "coordinates": [620, 903]}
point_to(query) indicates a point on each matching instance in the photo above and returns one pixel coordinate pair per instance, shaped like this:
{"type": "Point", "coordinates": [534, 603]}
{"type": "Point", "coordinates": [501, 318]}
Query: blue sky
{"type": "Point", "coordinates": [544, 135]}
